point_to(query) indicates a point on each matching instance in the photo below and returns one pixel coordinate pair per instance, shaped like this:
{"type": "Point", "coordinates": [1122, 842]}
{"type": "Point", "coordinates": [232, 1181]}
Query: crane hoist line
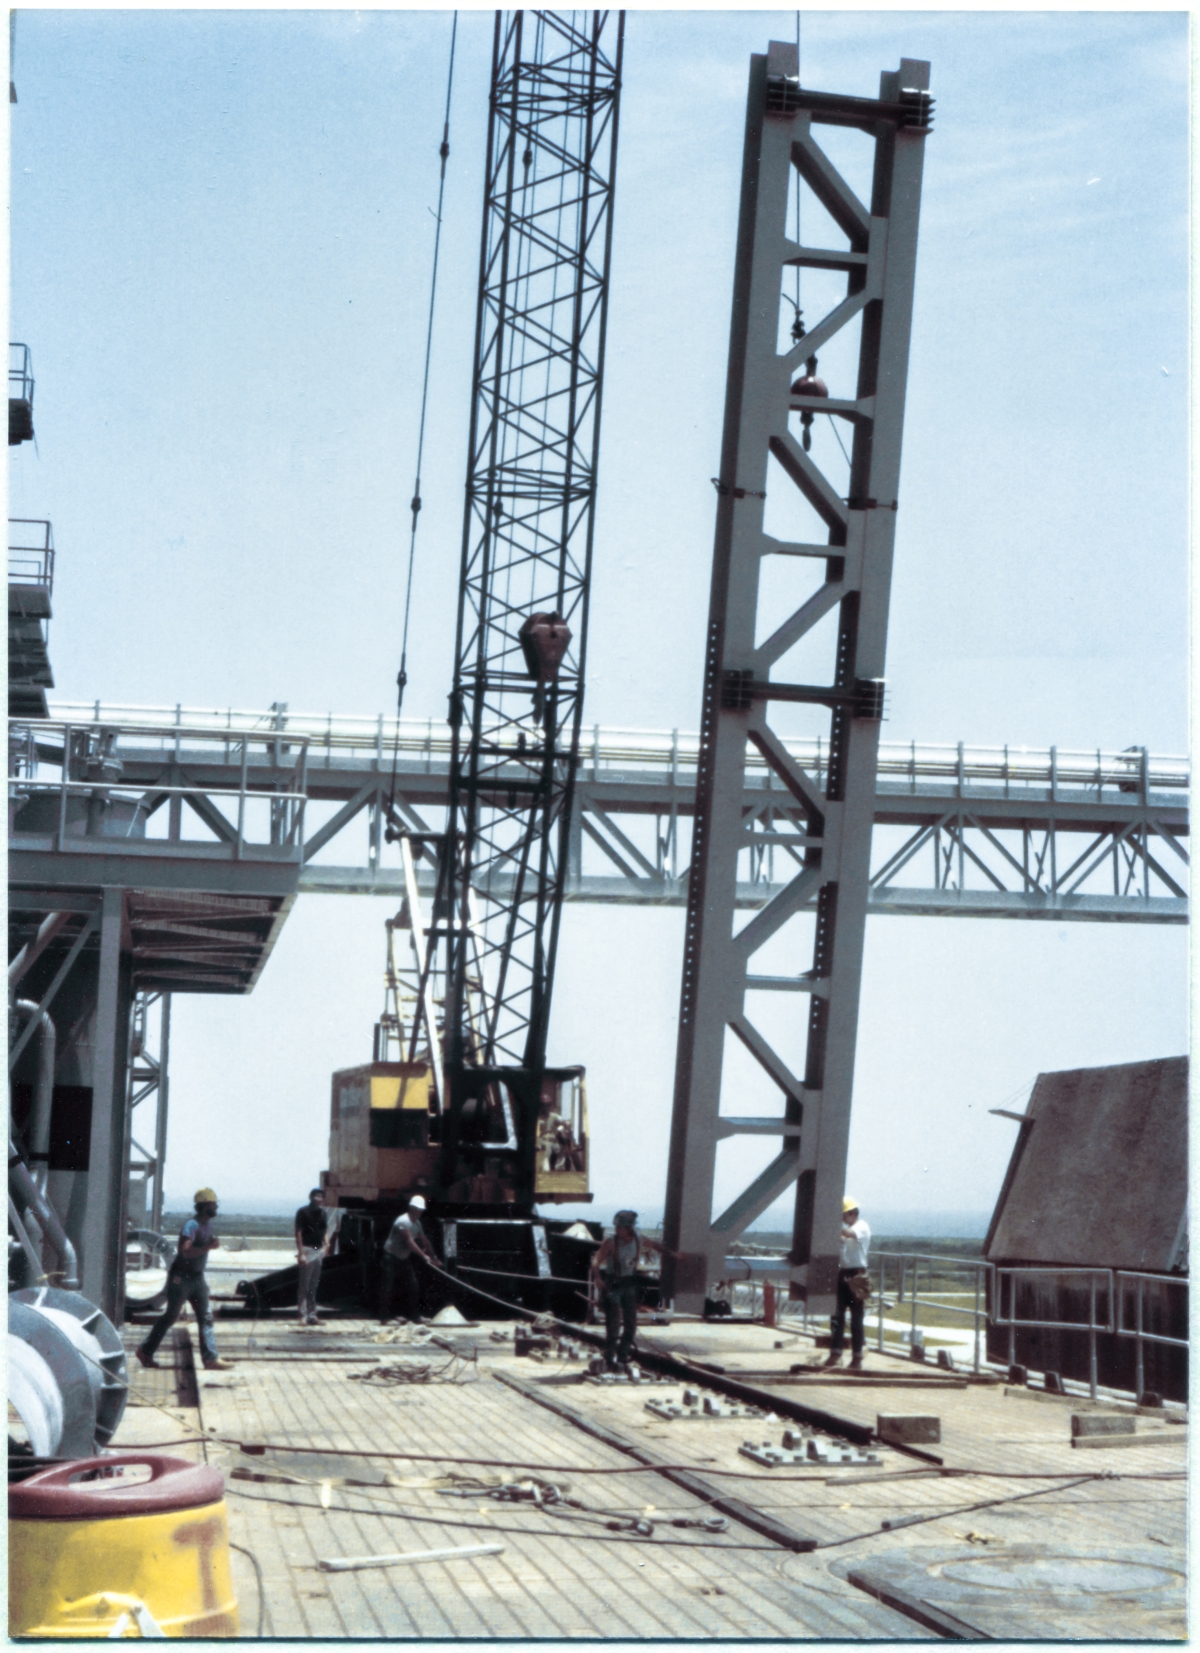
{"type": "Point", "coordinates": [458, 1103]}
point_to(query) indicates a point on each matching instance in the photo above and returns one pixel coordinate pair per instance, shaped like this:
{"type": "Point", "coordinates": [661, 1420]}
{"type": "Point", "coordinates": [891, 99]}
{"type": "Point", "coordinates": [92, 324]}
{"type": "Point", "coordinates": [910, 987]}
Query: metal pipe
{"type": "Point", "coordinates": [1141, 1372]}
{"type": "Point", "coordinates": [26, 1243]}
{"type": "Point", "coordinates": [33, 950]}
{"type": "Point", "coordinates": [30, 1197]}
{"type": "Point", "coordinates": [1092, 1343]}
{"type": "Point", "coordinates": [882, 1282]}
{"type": "Point", "coordinates": [43, 1095]}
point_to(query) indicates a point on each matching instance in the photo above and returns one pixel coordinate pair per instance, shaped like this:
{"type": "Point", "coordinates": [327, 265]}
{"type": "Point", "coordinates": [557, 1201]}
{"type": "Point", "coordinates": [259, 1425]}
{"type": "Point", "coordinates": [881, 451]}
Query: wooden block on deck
{"type": "Point", "coordinates": [1151, 1437]}
{"type": "Point", "coordinates": [908, 1428]}
{"type": "Point", "coordinates": [1101, 1423]}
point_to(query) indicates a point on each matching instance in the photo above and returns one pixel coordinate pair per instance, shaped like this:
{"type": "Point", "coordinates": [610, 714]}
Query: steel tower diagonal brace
{"type": "Point", "coordinates": [879, 262]}
{"type": "Point", "coordinates": [528, 526]}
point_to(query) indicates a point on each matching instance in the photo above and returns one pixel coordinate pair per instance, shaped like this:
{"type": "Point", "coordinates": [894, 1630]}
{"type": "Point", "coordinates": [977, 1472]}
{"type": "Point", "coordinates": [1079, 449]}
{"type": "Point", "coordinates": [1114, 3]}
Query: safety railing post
{"type": "Point", "coordinates": [882, 1281]}
{"type": "Point", "coordinates": [978, 1281]}
{"type": "Point", "coordinates": [62, 796]}
{"type": "Point", "coordinates": [1092, 1343]}
{"type": "Point", "coordinates": [241, 818]}
{"type": "Point", "coordinates": [1141, 1373]}
{"type": "Point", "coordinates": [912, 1336]}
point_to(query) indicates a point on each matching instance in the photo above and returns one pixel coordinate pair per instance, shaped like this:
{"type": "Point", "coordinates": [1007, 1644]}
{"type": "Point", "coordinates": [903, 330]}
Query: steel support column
{"type": "Point", "coordinates": [835, 806]}
{"type": "Point", "coordinates": [162, 1100]}
{"type": "Point", "coordinates": [103, 1236]}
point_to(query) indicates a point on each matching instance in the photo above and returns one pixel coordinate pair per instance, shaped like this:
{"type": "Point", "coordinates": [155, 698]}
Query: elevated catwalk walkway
{"type": "Point", "coordinates": [960, 830]}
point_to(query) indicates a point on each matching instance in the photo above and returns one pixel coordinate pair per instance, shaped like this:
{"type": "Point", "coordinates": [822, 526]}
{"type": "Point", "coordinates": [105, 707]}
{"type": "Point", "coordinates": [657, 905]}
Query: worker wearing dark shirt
{"type": "Point", "coordinates": [312, 1247]}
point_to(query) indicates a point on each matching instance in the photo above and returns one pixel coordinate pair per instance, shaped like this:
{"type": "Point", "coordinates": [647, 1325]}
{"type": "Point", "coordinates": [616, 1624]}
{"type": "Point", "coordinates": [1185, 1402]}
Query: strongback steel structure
{"type": "Point", "coordinates": [878, 256]}
{"type": "Point", "coordinates": [527, 534]}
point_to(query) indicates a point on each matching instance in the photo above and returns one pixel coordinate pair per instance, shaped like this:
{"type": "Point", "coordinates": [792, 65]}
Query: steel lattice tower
{"type": "Point", "coordinates": [528, 526]}
{"type": "Point", "coordinates": [826, 819]}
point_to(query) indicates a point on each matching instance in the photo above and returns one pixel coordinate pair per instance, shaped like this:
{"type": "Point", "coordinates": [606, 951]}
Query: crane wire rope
{"type": "Point", "coordinates": [402, 675]}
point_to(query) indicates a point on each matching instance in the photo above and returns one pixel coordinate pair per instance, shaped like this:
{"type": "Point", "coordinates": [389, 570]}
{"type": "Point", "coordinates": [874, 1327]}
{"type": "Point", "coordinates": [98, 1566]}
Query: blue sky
{"type": "Point", "coordinates": [221, 234]}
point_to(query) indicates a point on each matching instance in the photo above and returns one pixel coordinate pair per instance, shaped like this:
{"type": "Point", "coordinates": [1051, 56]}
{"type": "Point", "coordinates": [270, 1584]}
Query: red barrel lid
{"type": "Point", "coordinates": [112, 1485]}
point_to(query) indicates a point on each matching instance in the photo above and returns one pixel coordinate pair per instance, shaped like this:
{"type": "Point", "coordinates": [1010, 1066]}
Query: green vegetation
{"type": "Point", "coordinates": [233, 1222]}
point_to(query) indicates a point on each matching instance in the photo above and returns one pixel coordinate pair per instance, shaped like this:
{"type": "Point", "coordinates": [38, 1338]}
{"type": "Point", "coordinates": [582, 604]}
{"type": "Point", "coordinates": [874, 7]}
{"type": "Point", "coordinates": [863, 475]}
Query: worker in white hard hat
{"type": "Point", "coordinates": [186, 1284]}
{"type": "Point", "coordinates": [403, 1245]}
{"type": "Point", "coordinates": [854, 1286]}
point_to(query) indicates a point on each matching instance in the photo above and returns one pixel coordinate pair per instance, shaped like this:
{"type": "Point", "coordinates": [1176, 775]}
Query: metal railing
{"type": "Point", "coordinates": [20, 374]}
{"type": "Point", "coordinates": [908, 1280]}
{"type": "Point", "coordinates": [1138, 1331]}
{"type": "Point", "coordinates": [68, 747]}
{"type": "Point", "coordinates": [1091, 1326]}
{"type": "Point", "coordinates": [291, 834]}
{"type": "Point", "coordinates": [1003, 770]}
{"type": "Point", "coordinates": [30, 555]}
{"type": "Point", "coordinates": [1113, 1284]}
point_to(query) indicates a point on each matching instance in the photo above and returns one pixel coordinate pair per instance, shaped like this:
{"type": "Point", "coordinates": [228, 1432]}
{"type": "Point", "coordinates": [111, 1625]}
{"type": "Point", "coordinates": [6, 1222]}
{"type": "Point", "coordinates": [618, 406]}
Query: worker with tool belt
{"type": "Point", "coordinates": [614, 1271]}
{"type": "Point", "coordinates": [186, 1284]}
{"type": "Point", "coordinates": [405, 1242]}
{"type": "Point", "coordinates": [854, 1287]}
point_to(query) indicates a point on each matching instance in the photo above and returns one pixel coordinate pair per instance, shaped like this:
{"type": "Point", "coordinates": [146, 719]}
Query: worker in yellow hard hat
{"type": "Point", "coordinates": [853, 1288]}
{"type": "Point", "coordinates": [186, 1284]}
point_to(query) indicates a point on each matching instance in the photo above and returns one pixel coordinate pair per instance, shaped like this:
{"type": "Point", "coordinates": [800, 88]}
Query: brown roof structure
{"type": "Point", "coordinates": [1098, 1176]}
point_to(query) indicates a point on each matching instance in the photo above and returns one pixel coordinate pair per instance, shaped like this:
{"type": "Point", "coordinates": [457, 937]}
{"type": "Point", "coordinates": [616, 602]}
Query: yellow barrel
{"type": "Point", "coordinates": [126, 1538]}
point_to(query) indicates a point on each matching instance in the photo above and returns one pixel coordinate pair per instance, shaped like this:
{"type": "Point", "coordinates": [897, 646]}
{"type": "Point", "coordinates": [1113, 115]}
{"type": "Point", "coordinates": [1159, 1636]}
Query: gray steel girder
{"type": "Point", "coordinates": [1015, 841]}
{"type": "Point", "coordinates": [835, 810]}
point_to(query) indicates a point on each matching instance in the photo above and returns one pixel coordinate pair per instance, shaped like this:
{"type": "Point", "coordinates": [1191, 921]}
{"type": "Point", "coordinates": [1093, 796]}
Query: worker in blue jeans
{"type": "Point", "coordinates": [614, 1271]}
{"type": "Point", "coordinates": [186, 1284]}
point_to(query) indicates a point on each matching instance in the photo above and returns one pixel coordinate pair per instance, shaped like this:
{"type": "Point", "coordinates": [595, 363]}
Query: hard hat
{"type": "Point", "coordinates": [625, 1219]}
{"type": "Point", "coordinates": [205, 1196]}
{"type": "Point", "coordinates": [417, 1203]}
{"type": "Point", "coordinates": [849, 1203]}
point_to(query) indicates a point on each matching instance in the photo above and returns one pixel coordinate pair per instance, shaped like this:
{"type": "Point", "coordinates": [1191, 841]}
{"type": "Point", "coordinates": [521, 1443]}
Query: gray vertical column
{"type": "Point", "coordinates": [103, 1237]}
{"type": "Point", "coordinates": [711, 981]}
{"type": "Point", "coordinates": [874, 491]}
{"type": "Point", "coordinates": [160, 1120]}
{"type": "Point", "coordinates": [833, 812]}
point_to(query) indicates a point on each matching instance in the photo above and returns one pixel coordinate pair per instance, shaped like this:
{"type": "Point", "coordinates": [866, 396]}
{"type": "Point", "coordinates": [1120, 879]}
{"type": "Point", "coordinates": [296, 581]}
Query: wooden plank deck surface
{"type": "Point", "coordinates": [563, 1574]}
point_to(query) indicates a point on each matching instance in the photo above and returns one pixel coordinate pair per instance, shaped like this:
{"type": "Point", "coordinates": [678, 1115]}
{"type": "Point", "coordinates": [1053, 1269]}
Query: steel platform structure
{"type": "Point", "coordinates": [102, 916]}
{"type": "Point", "coordinates": [167, 854]}
{"type": "Point", "coordinates": [960, 831]}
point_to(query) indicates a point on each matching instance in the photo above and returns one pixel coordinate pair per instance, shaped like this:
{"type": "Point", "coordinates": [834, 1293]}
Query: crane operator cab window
{"type": "Point", "coordinates": [562, 1146]}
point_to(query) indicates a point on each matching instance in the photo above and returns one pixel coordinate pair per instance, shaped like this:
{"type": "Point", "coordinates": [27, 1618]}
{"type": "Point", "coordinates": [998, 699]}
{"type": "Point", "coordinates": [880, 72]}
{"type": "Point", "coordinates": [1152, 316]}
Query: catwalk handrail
{"type": "Point", "coordinates": [608, 750]}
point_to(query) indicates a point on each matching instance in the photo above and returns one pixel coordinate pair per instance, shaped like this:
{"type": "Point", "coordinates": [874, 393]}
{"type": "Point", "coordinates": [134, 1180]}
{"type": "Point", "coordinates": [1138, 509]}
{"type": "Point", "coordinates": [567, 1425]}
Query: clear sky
{"type": "Point", "coordinates": [221, 237]}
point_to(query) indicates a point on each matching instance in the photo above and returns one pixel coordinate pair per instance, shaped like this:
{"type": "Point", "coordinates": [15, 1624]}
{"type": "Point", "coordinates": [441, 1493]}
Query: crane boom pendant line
{"type": "Point", "coordinates": [415, 505]}
{"type": "Point", "coordinates": [528, 530]}
{"type": "Point", "coordinates": [827, 814]}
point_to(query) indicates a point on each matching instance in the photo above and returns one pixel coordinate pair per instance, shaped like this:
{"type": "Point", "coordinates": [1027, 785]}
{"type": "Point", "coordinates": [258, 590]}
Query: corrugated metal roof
{"type": "Point", "coordinates": [1098, 1176]}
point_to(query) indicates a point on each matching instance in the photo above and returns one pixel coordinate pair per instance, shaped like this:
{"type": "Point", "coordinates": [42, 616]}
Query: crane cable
{"type": "Point", "coordinates": [402, 675]}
